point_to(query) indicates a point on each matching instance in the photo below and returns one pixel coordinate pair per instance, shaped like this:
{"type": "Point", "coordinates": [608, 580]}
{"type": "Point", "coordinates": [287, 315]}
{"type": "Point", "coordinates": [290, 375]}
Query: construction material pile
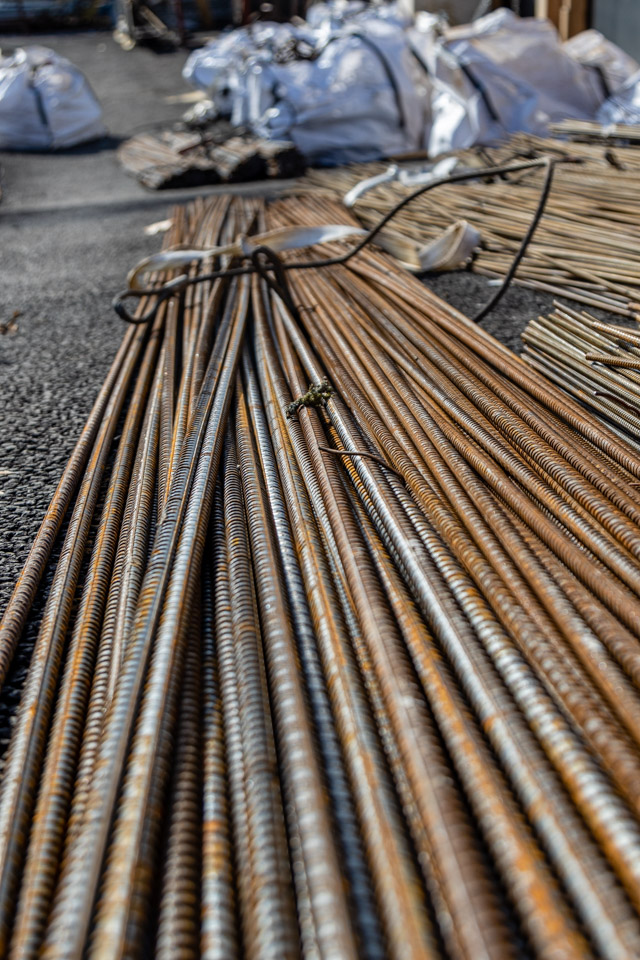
{"type": "Point", "coordinates": [413, 83]}
{"type": "Point", "coordinates": [596, 362]}
{"type": "Point", "coordinates": [340, 670]}
{"type": "Point", "coordinates": [586, 247]}
{"type": "Point", "coordinates": [174, 159]}
{"type": "Point", "coordinates": [587, 131]}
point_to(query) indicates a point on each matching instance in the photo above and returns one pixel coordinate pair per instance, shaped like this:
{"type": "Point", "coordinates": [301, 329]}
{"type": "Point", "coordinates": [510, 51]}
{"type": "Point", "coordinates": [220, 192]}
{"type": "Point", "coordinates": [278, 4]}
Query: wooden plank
{"type": "Point", "coordinates": [579, 18]}
{"type": "Point", "coordinates": [569, 16]}
{"type": "Point", "coordinates": [564, 15]}
{"type": "Point", "coordinates": [551, 9]}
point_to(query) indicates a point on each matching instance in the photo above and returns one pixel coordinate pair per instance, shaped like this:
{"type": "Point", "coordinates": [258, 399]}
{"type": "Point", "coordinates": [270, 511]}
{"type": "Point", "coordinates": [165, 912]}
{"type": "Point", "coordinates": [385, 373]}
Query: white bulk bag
{"type": "Point", "coordinates": [355, 101]}
{"type": "Point", "coordinates": [531, 51]}
{"type": "Point", "coordinates": [471, 98]}
{"type": "Point", "coordinates": [45, 102]}
{"type": "Point", "coordinates": [624, 105]}
{"type": "Point", "coordinates": [502, 74]}
{"type": "Point", "coordinates": [218, 67]}
{"type": "Point", "coordinates": [612, 65]}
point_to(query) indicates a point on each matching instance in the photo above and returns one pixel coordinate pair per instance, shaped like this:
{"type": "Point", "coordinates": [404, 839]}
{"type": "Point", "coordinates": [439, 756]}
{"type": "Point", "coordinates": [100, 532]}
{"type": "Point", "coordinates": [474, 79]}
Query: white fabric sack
{"type": "Point", "coordinates": [499, 75]}
{"type": "Point", "coordinates": [218, 68]}
{"type": "Point", "coordinates": [624, 105]}
{"type": "Point", "coordinates": [612, 64]}
{"type": "Point", "coordinates": [471, 98]}
{"type": "Point", "coordinates": [45, 102]}
{"type": "Point", "coordinates": [355, 101]}
{"type": "Point", "coordinates": [531, 51]}
{"type": "Point", "coordinates": [376, 84]}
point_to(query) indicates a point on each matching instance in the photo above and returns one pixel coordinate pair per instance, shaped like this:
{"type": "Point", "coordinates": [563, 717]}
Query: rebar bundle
{"type": "Point", "coordinates": [589, 131]}
{"type": "Point", "coordinates": [585, 247]}
{"type": "Point", "coordinates": [596, 362]}
{"type": "Point", "coordinates": [340, 656]}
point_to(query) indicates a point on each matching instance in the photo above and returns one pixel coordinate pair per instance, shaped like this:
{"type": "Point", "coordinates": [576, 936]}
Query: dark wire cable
{"type": "Point", "coordinates": [275, 263]}
{"type": "Point", "coordinates": [522, 249]}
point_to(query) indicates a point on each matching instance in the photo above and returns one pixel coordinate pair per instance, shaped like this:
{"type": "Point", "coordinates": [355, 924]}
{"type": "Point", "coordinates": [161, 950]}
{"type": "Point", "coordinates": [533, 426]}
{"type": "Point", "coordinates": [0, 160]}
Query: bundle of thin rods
{"type": "Point", "coordinates": [339, 671]}
{"type": "Point", "coordinates": [596, 362]}
{"type": "Point", "coordinates": [589, 131]}
{"type": "Point", "coordinates": [586, 246]}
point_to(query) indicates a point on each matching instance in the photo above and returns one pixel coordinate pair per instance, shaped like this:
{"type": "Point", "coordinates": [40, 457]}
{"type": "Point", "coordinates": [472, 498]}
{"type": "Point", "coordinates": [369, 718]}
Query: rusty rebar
{"type": "Point", "coordinates": [360, 682]}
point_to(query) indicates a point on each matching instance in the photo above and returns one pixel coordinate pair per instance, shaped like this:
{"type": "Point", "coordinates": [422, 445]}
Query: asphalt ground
{"type": "Point", "coordinates": [71, 225]}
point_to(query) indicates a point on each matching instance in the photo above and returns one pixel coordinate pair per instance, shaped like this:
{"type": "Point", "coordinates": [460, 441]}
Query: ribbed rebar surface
{"type": "Point", "coordinates": [357, 682]}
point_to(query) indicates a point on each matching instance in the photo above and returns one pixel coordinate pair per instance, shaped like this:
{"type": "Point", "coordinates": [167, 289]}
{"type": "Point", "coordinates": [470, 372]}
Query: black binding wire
{"type": "Point", "coordinates": [278, 281]}
{"type": "Point", "coordinates": [275, 265]}
{"type": "Point", "coordinates": [522, 249]}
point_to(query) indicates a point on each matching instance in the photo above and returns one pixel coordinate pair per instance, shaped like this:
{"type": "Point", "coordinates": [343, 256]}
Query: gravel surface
{"type": "Point", "coordinates": [72, 225]}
